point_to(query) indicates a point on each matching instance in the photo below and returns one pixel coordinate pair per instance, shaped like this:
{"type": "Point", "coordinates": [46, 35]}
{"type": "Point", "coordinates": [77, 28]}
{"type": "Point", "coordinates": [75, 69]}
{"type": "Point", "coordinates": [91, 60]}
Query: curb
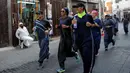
{"type": "Point", "coordinates": [34, 42]}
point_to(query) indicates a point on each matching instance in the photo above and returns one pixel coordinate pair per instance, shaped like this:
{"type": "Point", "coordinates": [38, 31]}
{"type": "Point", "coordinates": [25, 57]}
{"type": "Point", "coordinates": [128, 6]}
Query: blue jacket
{"type": "Point", "coordinates": [40, 27]}
{"type": "Point", "coordinates": [108, 27]}
{"type": "Point", "coordinates": [97, 30]}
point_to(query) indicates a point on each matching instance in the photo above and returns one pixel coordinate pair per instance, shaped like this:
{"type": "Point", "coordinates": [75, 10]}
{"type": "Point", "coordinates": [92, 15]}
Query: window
{"type": "Point", "coordinates": [117, 1]}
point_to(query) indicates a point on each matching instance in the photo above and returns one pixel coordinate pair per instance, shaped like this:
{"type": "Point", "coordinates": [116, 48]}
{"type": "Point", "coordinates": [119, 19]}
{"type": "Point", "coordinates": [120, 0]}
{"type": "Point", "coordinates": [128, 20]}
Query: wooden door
{"type": "Point", "coordinates": [57, 5]}
{"type": "Point", "coordinates": [14, 13]}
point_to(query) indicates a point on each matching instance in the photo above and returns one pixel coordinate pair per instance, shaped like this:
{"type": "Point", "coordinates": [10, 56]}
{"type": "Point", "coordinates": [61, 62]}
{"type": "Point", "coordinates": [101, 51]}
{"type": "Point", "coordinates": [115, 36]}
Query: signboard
{"type": "Point", "coordinates": [93, 1]}
{"type": "Point", "coordinates": [25, 2]}
{"type": "Point", "coordinates": [83, 0]}
{"type": "Point", "coordinates": [29, 0]}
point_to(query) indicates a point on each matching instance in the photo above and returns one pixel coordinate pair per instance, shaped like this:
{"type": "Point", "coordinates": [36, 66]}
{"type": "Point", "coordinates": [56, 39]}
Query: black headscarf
{"type": "Point", "coordinates": [66, 10]}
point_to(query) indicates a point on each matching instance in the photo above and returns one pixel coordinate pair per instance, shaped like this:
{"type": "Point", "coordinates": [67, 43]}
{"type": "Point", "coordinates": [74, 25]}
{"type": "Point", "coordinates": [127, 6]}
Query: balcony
{"type": "Point", "coordinates": [93, 1]}
{"type": "Point", "coordinates": [117, 1]}
{"type": "Point", "coordinates": [87, 1]}
{"type": "Point", "coordinates": [80, 1]}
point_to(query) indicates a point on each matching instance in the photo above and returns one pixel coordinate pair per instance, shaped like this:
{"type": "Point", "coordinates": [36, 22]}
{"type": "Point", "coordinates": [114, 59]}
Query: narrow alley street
{"type": "Point", "coordinates": [116, 60]}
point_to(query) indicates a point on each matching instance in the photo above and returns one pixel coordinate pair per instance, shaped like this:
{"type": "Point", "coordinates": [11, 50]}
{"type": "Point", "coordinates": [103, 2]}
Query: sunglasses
{"type": "Point", "coordinates": [62, 11]}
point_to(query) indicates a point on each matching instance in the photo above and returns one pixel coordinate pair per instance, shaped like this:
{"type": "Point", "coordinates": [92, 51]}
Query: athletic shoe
{"type": "Point", "coordinates": [77, 57]}
{"type": "Point", "coordinates": [40, 66]}
{"type": "Point", "coordinates": [97, 54]}
{"type": "Point", "coordinates": [60, 70]}
{"type": "Point", "coordinates": [106, 49]}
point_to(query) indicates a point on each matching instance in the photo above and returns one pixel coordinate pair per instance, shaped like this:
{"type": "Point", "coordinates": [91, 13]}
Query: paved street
{"type": "Point", "coordinates": [116, 60]}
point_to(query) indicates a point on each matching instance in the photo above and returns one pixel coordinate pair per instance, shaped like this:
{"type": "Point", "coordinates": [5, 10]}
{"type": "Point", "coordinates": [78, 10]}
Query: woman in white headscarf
{"type": "Point", "coordinates": [23, 35]}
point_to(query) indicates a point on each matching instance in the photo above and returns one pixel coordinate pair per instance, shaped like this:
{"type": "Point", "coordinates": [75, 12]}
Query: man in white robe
{"type": "Point", "coordinates": [23, 35]}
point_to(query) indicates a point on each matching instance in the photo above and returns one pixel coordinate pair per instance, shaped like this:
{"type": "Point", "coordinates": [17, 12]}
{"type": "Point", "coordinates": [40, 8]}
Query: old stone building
{"type": "Point", "coordinates": [10, 16]}
{"type": "Point", "coordinates": [4, 34]}
{"type": "Point", "coordinates": [121, 8]}
{"type": "Point", "coordinates": [12, 11]}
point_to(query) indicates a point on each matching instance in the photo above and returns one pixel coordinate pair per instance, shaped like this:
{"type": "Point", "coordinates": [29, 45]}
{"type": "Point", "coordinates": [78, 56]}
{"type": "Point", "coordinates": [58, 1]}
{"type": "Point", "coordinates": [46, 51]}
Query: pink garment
{"type": "Point", "coordinates": [95, 12]}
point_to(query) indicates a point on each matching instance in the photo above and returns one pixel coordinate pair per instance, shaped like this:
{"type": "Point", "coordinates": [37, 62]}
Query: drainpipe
{"type": "Point", "coordinates": [87, 5]}
{"type": "Point", "coordinates": [69, 5]}
{"type": "Point", "coordinates": [9, 22]}
{"type": "Point", "coordinates": [21, 9]}
{"type": "Point", "coordinates": [100, 9]}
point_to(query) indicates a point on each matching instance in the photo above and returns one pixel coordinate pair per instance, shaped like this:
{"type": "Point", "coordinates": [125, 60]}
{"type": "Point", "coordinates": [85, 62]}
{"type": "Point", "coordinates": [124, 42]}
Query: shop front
{"type": "Point", "coordinates": [126, 13]}
{"type": "Point", "coordinates": [27, 12]}
{"type": "Point", "coordinates": [23, 10]}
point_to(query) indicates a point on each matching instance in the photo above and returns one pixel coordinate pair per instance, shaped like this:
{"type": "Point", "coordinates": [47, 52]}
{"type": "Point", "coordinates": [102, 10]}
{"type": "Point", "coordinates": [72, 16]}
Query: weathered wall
{"type": "Point", "coordinates": [14, 21]}
{"type": "Point", "coordinates": [4, 41]}
{"type": "Point", "coordinates": [56, 8]}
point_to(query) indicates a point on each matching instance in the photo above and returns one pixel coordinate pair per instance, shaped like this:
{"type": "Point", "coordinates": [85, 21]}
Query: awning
{"type": "Point", "coordinates": [79, 1]}
{"type": "Point", "coordinates": [126, 9]}
{"type": "Point", "coordinates": [24, 2]}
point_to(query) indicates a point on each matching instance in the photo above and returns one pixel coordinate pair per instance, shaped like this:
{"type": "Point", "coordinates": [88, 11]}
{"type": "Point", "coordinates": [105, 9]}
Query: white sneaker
{"type": "Point", "coordinates": [97, 54]}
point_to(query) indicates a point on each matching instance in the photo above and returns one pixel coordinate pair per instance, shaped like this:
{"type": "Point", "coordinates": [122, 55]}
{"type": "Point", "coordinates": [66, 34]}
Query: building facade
{"type": "Point", "coordinates": [56, 9]}
{"type": "Point", "coordinates": [121, 8]}
{"type": "Point", "coordinates": [108, 7]}
{"type": "Point", "coordinates": [4, 37]}
{"type": "Point", "coordinates": [92, 5]}
{"type": "Point", "coordinates": [9, 22]}
{"type": "Point", "coordinates": [14, 10]}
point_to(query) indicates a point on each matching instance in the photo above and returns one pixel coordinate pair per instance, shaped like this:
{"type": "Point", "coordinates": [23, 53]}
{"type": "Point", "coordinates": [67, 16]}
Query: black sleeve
{"type": "Point", "coordinates": [47, 24]}
{"type": "Point", "coordinates": [90, 19]}
{"type": "Point", "coordinates": [59, 26]}
{"type": "Point", "coordinates": [68, 21]}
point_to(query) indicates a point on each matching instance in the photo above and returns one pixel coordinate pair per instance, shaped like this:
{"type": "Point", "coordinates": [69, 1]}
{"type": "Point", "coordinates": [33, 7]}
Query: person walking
{"type": "Point", "coordinates": [116, 19]}
{"type": "Point", "coordinates": [125, 25]}
{"type": "Point", "coordinates": [96, 31]}
{"type": "Point", "coordinates": [108, 27]}
{"type": "Point", "coordinates": [65, 45]}
{"type": "Point", "coordinates": [42, 28]}
{"type": "Point", "coordinates": [84, 37]}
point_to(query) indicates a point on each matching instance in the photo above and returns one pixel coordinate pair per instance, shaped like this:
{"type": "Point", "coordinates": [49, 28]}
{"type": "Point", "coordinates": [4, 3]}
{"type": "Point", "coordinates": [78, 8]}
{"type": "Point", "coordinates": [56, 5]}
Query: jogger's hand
{"type": "Point", "coordinates": [47, 32]}
{"type": "Point", "coordinates": [64, 26]}
{"type": "Point", "coordinates": [88, 24]}
{"type": "Point", "coordinates": [74, 21]}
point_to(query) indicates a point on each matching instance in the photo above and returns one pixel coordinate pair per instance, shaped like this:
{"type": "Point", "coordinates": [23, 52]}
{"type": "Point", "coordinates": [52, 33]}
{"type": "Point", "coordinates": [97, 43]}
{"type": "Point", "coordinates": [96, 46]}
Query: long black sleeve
{"type": "Point", "coordinates": [90, 18]}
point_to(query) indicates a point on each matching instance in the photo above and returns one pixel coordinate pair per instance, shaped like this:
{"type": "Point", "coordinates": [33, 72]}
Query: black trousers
{"type": "Point", "coordinates": [125, 28]}
{"type": "Point", "coordinates": [108, 40]}
{"type": "Point", "coordinates": [97, 41]}
{"type": "Point", "coordinates": [65, 50]}
{"type": "Point", "coordinates": [115, 31]}
{"type": "Point", "coordinates": [88, 56]}
{"type": "Point", "coordinates": [44, 49]}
